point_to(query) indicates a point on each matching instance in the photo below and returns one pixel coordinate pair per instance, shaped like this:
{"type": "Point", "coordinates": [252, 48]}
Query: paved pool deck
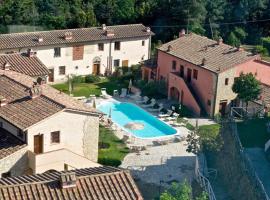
{"type": "Point", "coordinates": [161, 164]}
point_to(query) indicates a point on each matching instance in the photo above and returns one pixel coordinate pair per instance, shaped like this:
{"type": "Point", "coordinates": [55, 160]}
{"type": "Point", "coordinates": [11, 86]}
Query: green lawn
{"type": "Point", "coordinates": [253, 133]}
{"type": "Point", "coordinates": [115, 150]}
{"type": "Point", "coordinates": [85, 89]}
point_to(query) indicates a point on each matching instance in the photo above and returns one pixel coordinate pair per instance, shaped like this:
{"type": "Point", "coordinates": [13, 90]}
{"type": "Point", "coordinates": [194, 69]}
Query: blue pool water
{"type": "Point", "coordinates": [123, 113]}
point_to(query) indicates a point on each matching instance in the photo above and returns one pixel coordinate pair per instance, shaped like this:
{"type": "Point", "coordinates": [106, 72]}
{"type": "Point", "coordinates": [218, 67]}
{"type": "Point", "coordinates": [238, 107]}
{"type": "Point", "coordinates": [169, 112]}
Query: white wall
{"type": "Point", "coordinates": [74, 128]}
{"type": "Point", "coordinates": [131, 50]}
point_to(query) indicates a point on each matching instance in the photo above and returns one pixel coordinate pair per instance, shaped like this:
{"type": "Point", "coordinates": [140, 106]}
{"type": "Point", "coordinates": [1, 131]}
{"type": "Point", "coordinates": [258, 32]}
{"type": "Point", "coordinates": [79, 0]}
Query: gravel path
{"type": "Point", "coordinates": [161, 164]}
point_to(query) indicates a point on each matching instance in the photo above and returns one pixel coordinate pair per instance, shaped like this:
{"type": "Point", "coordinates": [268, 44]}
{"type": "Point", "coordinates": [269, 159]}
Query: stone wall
{"type": "Point", "coordinates": [16, 163]}
{"type": "Point", "coordinates": [90, 138]}
{"type": "Point", "coordinates": [78, 52]}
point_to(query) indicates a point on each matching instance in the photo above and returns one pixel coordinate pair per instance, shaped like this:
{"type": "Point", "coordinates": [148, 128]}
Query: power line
{"type": "Point", "coordinates": [213, 23]}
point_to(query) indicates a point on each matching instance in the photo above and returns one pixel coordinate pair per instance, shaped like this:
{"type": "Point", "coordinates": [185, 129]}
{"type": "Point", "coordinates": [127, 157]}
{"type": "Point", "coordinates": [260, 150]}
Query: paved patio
{"type": "Point", "coordinates": [161, 164]}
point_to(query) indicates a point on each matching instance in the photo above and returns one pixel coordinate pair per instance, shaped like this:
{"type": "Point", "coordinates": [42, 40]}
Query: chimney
{"type": "Point", "coordinates": [220, 41]}
{"type": "Point", "coordinates": [68, 36]}
{"type": "Point", "coordinates": [35, 91]}
{"type": "Point", "coordinates": [68, 180]}
{"type": "Point", "coordinates": [169, 48]}
{"type": "Point", "coordinates": [240, 48]}
{"type": "Point", "coordinates": [7, 66]}
{"type": "Point", "coordinates": [182, 33]}
{"type": "Point", "coordinates": [148, 29]}
{"type": "Point", "coordinates": [3, 101]}
{"type": "Point", "coordinates": [40, 39]}
{"type": "Point", "coordinates": [103, 26]}
{"type": "Point", "coordinates": [30, 53]}
{"type": "Point", "coordinates": [203, 61]}
{"type": "Point", "coordinates": [109, 33]}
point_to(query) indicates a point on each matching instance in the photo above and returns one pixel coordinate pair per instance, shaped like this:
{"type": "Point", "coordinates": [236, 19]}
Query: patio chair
{"type": "Point", "coordinates": [136, 96]}
{"type": "Point", "coordinates": [104, 93]}
{"type": "Point", "coordinates": [159, 109]}
{"type": "Point", "coordinates": [168, 114]}
{"type": "Point", "coordinates": [173, 117]}
{"type": "Point", "coordinates": [151, 105]}
{"type": "Point", "coordinates": [123, 92]}
{"type": "Point", "coordinates": [143, 101]}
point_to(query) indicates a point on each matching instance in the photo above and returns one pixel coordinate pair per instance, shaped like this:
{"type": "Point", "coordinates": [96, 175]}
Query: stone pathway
{"type": "Point", "coordinates": [161, 164]}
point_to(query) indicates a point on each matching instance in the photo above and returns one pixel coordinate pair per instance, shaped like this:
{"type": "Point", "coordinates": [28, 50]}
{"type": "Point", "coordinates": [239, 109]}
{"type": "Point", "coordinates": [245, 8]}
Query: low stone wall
{"type": "Point", "coordinates": [16, 163]}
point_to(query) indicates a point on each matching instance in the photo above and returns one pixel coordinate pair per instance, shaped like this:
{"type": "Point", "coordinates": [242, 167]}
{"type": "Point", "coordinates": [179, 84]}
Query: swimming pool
{"type": "Point", "coordinates": [125, 113]}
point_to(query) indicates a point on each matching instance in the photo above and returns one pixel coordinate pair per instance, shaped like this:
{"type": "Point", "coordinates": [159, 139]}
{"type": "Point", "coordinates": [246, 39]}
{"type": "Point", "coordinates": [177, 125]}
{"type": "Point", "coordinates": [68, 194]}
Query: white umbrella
{"type": "Point", "coordinates": [129, 85]}
{"type": "Point", "coordinates": [110, 113]}
{"type": "Point", "coordinates": [94, 103]}
{"type": "Point", "coordinates": [134, 126]}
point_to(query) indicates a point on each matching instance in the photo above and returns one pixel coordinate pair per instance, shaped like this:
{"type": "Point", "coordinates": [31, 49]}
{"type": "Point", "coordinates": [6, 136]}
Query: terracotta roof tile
{"type": "Point", "coordinates": [22, 111]}
{"type": "Point", "coordinates": [31, 66]}
{"type": "Point", "coordinates": [194, 48]}
{"type": "Point", "coordinates": [92, 184]}
{"type": "Point", "coordinates": [20, 40]}
{"type": "Point", "coordinates": [9, 143]}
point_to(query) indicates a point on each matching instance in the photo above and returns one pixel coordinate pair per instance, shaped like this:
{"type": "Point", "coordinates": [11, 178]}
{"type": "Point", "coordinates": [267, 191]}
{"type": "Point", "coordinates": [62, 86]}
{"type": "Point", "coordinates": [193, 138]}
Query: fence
{"type": "Point", "coordinates": [203, 181]}
{"type": "Point", "coordinates": [246, 164]}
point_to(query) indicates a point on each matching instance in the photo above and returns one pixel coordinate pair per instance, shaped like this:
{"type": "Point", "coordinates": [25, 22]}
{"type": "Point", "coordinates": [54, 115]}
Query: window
{"type": "Point", "coordinates": [55, 137]}
{"type": "Point", "coordinates": [182, 72]}
{"type": "Point", "coordinates": [226, 81]}
{"type": "Point", "coordinates": [6, 174]}
{"type": "Point", "coordinates": [117, 46]}
{"type": "Point", "coordinates": [116, 63]}
{"type": "Point", "coordinates": [62, 70]}
{"type": "Point", "coordinates": [143, 43]}
{"type": "Point", "coordinates": [195, 74]}
{"type": "Point", "coordinates": [1, 124]}
{"type": "Point", "coordinates": [100, 46]}
{"type": "Point", "coordinates": [57, 52]}
{"type": "Point", "coordinates": [174, 65]}
{"type": "Point", "coordinates": [209, 102]}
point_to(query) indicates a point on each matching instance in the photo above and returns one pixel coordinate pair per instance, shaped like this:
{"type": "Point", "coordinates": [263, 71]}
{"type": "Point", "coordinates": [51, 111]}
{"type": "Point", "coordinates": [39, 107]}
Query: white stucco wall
{"type": "Point", "coordinates": [72, 127]}
{"type": "Point", "coordinates": [131, 50]}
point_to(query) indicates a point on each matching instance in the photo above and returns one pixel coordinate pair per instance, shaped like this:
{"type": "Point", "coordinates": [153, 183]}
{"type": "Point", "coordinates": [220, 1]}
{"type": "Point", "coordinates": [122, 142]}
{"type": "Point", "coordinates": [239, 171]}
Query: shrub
{"type": "Point", "coordinates": [154, 89]}
{"type": "Point", "coordinates": [92, 79]}
{"type": "Point", "coordinates": [260, 50]}
{"type": "Point", "coordinates": [183, 110]}
{"type": "Point", "coordinates": [78, 79]}
{"type": "Point", "coordinates": [266, 43]}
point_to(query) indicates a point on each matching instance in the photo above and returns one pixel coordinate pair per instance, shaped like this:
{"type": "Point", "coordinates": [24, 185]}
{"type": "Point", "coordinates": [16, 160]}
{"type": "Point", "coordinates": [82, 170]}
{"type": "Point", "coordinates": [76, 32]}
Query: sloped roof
{"type": "Point", "coordinates": [22, 111]}
{"type": "Point", "coordinates": [30, 39]}
{"type": "Point", "coordinates": [218, 57]}
{"type": "Point", "coordinates": [92, 184]}
{"type": "Point", "coordinates": [9, 143]}
{"type": "Point", "coordinates": [31, 66]}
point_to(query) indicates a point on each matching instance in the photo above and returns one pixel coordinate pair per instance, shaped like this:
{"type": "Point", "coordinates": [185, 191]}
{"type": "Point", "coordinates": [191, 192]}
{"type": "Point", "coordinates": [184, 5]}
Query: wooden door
{"type": "Point", "coordinates": [96, 69]}
{"type": "Point", "coordinates": [124, 63]}
{"type": "Point", "coordinates": [51, 75]}
{"type": "Point", "coordinates": [189, 72]}
{"type": "Point", "coordinates": [38, 144]}
{"type": "Point", "coordinates": [222, 108]}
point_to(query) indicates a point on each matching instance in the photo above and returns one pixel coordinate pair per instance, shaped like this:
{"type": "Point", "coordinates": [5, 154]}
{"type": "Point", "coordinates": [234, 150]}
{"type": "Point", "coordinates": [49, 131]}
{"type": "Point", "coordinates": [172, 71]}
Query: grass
{"type": "Point", "coordinates": [85, 89]}
{"type": "Point", "coordinates": [116, 151]}
{"type": "Point", "coordinates": [253, 133]}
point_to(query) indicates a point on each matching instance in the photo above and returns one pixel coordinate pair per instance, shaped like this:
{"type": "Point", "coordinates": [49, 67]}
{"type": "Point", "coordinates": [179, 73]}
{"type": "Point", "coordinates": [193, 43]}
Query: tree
{"type": "Point", "coordinates": [233, 40]}
{"type": "Point", "coordinates": [181, 191]}
{"type": "Point", "coordinates": [247, 87]}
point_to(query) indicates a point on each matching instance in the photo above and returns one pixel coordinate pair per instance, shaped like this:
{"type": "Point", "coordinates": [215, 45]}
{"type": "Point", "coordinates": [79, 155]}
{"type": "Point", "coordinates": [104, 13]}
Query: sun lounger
{"type": "Point", "coordinates": [151, 105]}
{"type": "Point", "coordinates": [123, 93]}
{"type": "Point", "coordinates": [168, 114]}
{"type": "Point", "coordinates": [143, 101]}
{"type": "Point", "coordinates": [136, 96]}
{"type": "Point", "coordinates": [173, 117]}
{"type": "Point", "coordinates": [159, 109]}
{"type": "Point", "coordinates": [104, 93]}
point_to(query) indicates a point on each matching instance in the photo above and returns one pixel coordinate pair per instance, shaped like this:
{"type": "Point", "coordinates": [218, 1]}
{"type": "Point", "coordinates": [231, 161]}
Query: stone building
{"type": "Point", "coordinates": [43, 129]}
{"type": "Point", "coordinates": [96, 50]}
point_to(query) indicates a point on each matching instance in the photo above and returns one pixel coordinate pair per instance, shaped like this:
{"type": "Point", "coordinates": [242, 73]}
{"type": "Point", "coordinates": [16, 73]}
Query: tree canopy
{"type": "Point", "coordinates": [238, 22]}
{"type": "Point", "coordinates": [247, 87]}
